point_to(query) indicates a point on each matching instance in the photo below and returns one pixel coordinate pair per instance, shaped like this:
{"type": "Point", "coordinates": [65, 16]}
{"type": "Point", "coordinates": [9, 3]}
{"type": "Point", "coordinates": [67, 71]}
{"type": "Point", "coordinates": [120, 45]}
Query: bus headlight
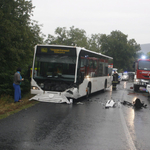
{"type": "Point", "coordinates": [35, 88]}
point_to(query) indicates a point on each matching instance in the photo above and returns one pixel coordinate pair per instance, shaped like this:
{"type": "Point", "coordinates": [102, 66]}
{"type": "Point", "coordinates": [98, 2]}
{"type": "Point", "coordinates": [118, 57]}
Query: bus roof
{"type": "Point", "coordinates": [81, 48]}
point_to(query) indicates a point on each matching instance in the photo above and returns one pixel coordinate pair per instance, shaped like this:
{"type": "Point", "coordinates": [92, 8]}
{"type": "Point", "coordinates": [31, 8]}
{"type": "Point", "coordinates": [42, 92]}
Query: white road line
{"type": "Point", "coordinates": [127, 133]}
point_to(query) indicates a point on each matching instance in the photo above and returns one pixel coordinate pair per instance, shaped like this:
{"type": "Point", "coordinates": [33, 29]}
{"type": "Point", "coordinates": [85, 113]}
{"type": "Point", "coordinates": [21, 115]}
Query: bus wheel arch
{"type": "Point", "coordinates": [88, 89]}
{"type": "Point", "coordinates": [105, 85]}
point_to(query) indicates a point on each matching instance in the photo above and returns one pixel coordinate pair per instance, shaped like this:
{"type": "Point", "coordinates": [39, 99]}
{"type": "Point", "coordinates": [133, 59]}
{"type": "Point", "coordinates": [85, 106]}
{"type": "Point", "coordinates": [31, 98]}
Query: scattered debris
{"type": "Point", "coordinates": [136, 104]}
{"type": "Point", "coordinates": [110, 103]}
{"type": "Point", "coordinates": [127, 103]}
{"type": "Point", "coordinates": [79, 103]}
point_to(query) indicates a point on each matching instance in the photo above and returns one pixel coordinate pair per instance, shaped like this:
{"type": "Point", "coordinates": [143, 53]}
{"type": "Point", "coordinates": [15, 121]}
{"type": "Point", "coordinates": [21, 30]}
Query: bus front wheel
{"type": "Point", "coordinates": [88, 90]}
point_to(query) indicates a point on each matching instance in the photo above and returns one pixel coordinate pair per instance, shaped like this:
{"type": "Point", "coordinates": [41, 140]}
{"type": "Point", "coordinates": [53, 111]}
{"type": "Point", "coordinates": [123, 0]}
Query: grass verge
{"type": "Point", "coordinates": [8, 107]}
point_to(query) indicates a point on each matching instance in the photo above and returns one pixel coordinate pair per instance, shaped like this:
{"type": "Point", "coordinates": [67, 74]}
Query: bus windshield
{"type": "Point", "coordinates": [58, 67]}
{"type": "Point", "coordinates": [144, 65]}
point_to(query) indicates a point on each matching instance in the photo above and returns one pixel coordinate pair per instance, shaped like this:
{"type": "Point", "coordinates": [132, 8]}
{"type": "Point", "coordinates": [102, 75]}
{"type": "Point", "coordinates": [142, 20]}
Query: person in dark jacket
{"type": "Point", "coordinates": [16, 84]}
{"type": "Point", "coordinates": [115, 76]}
{"type": "Point", "coordinates": [115, 80]}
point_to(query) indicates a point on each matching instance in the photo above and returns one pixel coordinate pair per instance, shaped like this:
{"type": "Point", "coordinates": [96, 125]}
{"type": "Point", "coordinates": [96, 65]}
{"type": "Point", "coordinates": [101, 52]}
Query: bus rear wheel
{"type": "Point", "coordinates": [105, 86]}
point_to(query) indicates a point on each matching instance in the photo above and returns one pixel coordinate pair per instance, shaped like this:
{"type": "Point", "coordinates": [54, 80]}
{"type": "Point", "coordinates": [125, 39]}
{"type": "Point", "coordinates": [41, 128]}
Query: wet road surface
{"type": "Point", "coordinates": [84, 125]}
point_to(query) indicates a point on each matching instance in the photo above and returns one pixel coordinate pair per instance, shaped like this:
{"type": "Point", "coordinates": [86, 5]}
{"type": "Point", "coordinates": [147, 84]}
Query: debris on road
{"type": "Point", "coordinates": [127, 103]}
{"type": "Point", "coordinates": [136, 104]}
{"type": "Point", "coordinates": [110, 103]}
{"type": "Point", "coordinates": [79, 103]}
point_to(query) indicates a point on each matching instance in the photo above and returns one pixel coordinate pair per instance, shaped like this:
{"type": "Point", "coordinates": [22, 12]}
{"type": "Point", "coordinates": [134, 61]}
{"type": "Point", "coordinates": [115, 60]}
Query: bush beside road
{"type": "Point", "coordinates": [8, 107]}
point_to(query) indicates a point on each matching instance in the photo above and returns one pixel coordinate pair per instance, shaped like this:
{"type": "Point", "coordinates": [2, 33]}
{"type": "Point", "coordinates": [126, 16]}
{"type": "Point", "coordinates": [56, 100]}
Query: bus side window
{"type": "Point", "coordinates": [82, 62]}
{"type": "Point", "coordinates": [91, 64]}
{"type": "Point", "coordinates": [100, 69]}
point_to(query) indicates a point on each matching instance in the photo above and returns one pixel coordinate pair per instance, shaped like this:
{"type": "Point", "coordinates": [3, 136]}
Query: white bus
{"type": "Point", "coordinates": [65, 73]}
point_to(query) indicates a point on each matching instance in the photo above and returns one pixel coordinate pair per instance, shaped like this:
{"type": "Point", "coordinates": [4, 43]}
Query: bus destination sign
{"type": "Point", "coordinates": [55, 50]}
{"type": "Point", "coordinates": [60, 51]}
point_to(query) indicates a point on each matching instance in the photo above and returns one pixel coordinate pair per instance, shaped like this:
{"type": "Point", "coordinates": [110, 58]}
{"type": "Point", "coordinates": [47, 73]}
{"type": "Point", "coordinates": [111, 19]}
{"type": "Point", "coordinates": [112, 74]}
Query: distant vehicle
{"type": "Point", "coordinates": [125, 76]}
{"type": "Point", "coordinates": [114, 70]}
{"type": "Point", "coordinates": [142, 73]}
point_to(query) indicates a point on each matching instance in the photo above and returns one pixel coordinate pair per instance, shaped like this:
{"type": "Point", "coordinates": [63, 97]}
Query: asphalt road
{"type": "Point", "coordinates": [83, 125]}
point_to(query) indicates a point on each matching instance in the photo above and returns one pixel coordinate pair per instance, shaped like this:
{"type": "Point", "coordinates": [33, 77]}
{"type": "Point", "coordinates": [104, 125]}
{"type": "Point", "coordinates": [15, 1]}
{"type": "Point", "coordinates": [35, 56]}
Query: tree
{"type": "Point", "coordinates": [134, 49]}
{"type": "Point", "coordinates": [117, 46]}
{"type": "Point", "coordinates": [148, 55]}
{"type": "Point", "coordinates": [18, 35]}
{"type": "Point", "coordinates": [74, 36]}
{"type": "Point", "coordinates": [94, 43]}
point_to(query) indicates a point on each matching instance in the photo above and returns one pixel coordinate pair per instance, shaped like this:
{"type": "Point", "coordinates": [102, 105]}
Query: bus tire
{"type": "Point", "coordinates": [105, 86]}
{"type": "Point", "coordinates": [88, 90]}
{"type": "Point", "coordinates": [136, 88]}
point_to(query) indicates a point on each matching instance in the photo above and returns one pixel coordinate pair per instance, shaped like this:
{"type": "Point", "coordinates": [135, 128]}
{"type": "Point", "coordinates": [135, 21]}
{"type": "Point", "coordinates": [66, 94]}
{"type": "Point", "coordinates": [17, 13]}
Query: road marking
{"type": "Point", "coordinates": [127, 133]}
{"type": "Point", "coordinates": [124, 85]}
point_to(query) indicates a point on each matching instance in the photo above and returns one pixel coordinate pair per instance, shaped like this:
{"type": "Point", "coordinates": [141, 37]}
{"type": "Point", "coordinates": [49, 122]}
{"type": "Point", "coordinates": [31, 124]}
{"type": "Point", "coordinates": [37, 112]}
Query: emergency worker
{"type": "Point", "coordinates": [115, 80]}
{"type": "Point", "coordinates": [115, 76]}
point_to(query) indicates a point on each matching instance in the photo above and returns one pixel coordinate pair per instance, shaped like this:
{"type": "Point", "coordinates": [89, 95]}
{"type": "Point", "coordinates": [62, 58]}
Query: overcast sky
{"type": "Point", "coordinates": [131, 17]}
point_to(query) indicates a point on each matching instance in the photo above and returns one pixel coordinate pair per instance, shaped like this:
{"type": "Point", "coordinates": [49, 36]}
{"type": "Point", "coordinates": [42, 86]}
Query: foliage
{"type": "Point", "coordinates": [74, 36]}
{"type": "Point", "coordinates": [148, 55]}
{"type": "Point", "coordinates": [123, 51]}
{"type": "Point", "coordinates": [18, 35]}
{"type": "Point", "coordinates": [95, 42]}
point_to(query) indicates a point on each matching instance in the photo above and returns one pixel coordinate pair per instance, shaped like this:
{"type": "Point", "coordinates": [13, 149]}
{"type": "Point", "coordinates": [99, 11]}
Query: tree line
{"type": "Point", "coordinates": [19, 34]}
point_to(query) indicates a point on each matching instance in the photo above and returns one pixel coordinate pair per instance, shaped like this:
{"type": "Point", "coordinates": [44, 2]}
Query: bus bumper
{"type": "Point", "coordinates": [52, 97]}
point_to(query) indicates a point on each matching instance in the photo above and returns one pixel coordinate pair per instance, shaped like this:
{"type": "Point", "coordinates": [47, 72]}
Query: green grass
{"type": "Point", "coordinates": [8, 107]}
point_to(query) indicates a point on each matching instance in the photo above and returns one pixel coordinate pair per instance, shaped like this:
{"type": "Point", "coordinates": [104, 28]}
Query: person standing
{"type": "Point", "coordinates": [115, 80]}
{"type": "Point", "coordinates": [115, 76]}
{"type": "Point", "coordinates": [16, 84]}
